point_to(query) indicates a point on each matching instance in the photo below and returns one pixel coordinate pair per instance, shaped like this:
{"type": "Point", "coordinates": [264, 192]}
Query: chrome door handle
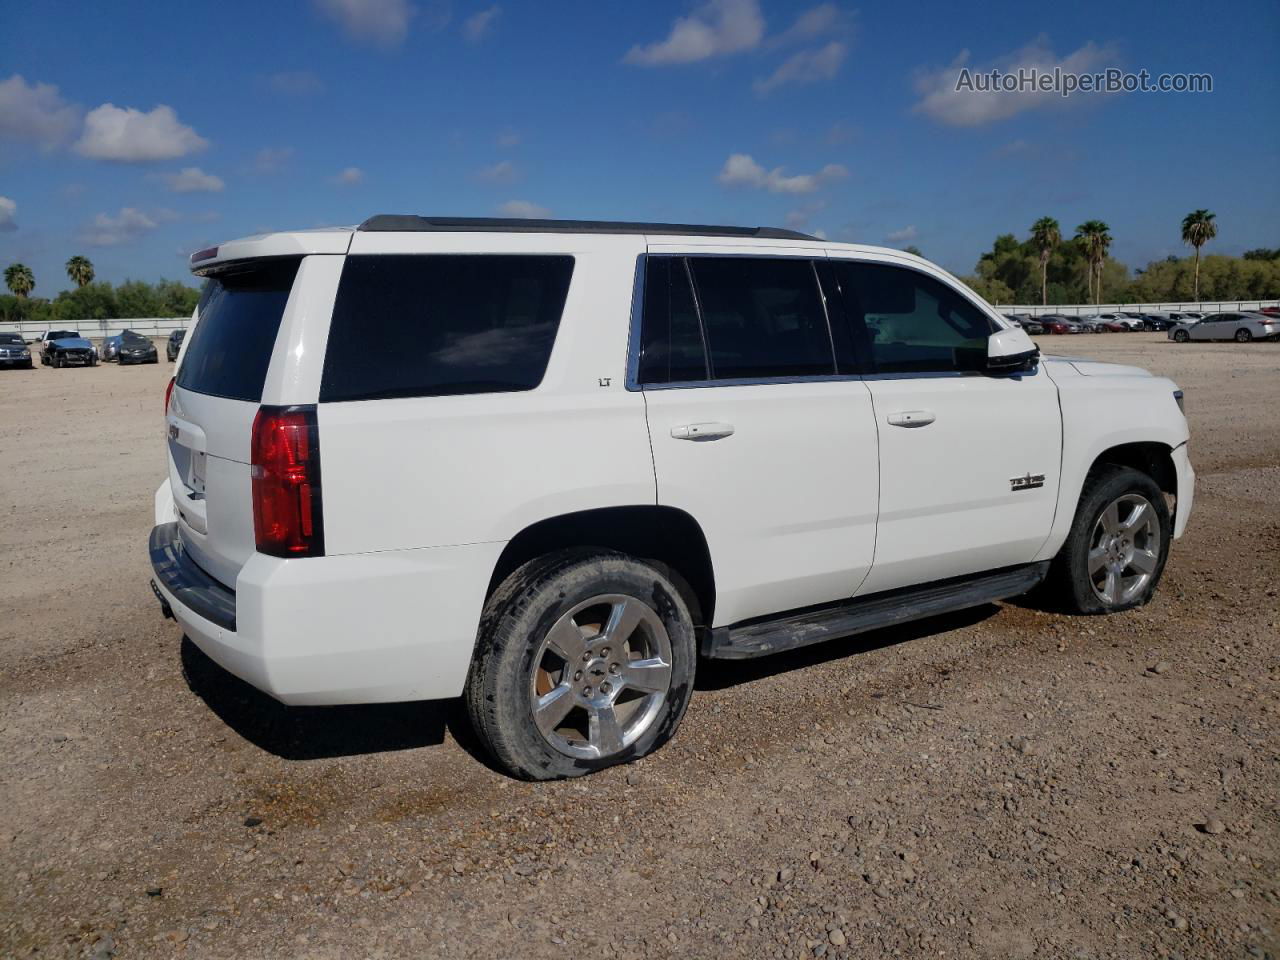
{"type": "Point", "coordinates": [912, 418]}
{"type": "Point", "coordinates": [702, 431]}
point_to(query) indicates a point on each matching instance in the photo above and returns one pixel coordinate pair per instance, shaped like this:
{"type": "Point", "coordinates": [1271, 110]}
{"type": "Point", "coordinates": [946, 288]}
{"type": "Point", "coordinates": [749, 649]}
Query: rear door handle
{"type": "Point", "coordinates": [702, 431]}
{"type": "Point", "coordinates": [912, 418]}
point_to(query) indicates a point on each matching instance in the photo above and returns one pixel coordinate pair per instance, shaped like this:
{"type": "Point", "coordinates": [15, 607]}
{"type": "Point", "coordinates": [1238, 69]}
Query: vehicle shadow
{"type": "Point", "coordinates": [723, 674]}
{"type": "Point", "coordinates": [312, 733]}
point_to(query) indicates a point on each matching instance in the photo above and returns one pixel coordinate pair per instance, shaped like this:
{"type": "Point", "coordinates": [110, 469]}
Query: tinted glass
{"type": "Point", "coordinates": [762, 317]}
{"type": "Point", "coordinates": [62, 334]}
{"type": "Point", "coordinates": [670, 338]}
{"type": "Point", "coordinates": [134, 338]}
{"type": "Point", "coordinates": [914, 323]}
{"type": "Point", "coordinates": [238, 319]}
{"type": "Point", "coordinates": [10, 338]}
{"type": "Point", "coordinates": [441, 324]}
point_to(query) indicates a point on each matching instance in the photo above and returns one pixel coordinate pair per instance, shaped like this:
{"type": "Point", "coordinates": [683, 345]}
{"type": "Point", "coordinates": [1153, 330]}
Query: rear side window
{"type": "Point", "coordinates": [671, 348]}
{"type": "Point", "coordinates": [914, 322]}
{"type": "Point", "coordinates": [762, 317]}
{"type": "Point", "coordinates": [236, 325]}
{"type": "Point", "coordinates": [443, 324]}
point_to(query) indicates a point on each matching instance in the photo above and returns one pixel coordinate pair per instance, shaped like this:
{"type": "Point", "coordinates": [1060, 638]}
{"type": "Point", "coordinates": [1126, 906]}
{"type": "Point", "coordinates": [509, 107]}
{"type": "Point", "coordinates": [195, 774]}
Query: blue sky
{"type": "Point", "coordinates": [136, 132]}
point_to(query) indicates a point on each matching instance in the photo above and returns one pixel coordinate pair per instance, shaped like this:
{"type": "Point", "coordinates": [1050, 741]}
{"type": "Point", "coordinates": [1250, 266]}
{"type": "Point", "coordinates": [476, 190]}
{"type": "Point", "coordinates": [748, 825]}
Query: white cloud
{"type": "Point", "coordinates": [799, 218]}
{"type": "Point", "coordinates": [271, 159]}
{"type": "Point", "coordinates": [131, 136]}
{"type": "Point", "coordinates": [296, 82]}
{"type": "Point", "coordinates": [524, 210]}
{"type": "Point", "coordinates": [349, 176]}
{"type": "Point", "coordinates": [740, 170]}
{"type": "Point", "coordinates": [381, 22]}
{"type": "Point", "coordinates": [940, 99]}
{"type": "Point", "coordinates": [716, 28]}
{"type": "Point", "coordinates": [192, 180]}
{"type": "Point", "coordinates": [36, 113]}
{"type": "Point", "coordinates": [502, 172]}
{"type": "Point", "coordinates": [807, 66]}
{"type": "Point", "coordinates": [815, 22]}
{"type": "Point", "coordinates": [129, 224]}
{"type": "Point", "coordinates": [7, 211]}
{"type": "Point", "coordinates": [905, 235]}
{"type": "Point", "coordinates": [477, 26]}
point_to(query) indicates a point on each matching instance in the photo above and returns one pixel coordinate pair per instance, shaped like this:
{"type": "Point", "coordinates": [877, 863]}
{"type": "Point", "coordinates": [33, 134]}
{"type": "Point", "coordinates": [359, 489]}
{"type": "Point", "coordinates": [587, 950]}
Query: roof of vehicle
{"type": "Point", "coordinates": [402, 223]}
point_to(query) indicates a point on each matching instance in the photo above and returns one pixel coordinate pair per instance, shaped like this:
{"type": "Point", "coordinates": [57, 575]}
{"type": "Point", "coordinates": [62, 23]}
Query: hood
{"type": "Point", "coordinates": [73, 343]}
{"type": "Point", "coordinates": [1096, 368]}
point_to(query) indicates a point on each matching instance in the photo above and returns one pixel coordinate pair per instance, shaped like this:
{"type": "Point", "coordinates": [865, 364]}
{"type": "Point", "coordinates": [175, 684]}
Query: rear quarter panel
{"type": "Point", "coordinates": [436, 471]}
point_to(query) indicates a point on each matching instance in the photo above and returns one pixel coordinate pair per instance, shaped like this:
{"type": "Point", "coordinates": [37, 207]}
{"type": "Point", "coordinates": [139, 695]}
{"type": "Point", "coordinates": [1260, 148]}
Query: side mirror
{"type": "Point", "coordinates": [1009, 351]}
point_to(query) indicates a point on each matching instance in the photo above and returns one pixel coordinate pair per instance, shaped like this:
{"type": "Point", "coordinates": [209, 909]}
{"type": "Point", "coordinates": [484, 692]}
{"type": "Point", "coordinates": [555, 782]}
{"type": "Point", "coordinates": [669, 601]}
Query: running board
{"type": "Point", "coordinates": [788, 632]}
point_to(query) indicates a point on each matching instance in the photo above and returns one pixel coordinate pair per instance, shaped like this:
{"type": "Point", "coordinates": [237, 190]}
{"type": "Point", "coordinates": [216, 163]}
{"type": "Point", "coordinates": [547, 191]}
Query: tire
{"type": "Point", "coordinates": [550, 618]}
{"type": "Point", "coordinates": [1128, 544]}
{"type": "Point", "coordinates": [1181, 336]}
{"type": "Point", "coordinates": [55, 362]}
{"type": "Point", "coordinates": [1243, 336]}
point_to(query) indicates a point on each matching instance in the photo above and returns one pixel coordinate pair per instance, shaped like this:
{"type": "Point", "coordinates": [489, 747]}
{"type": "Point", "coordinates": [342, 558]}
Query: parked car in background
{"type": "Point", "coordinates": [14, 351]}
{"type": "Point", "coordinates": [1156, 321]}
{"type": "Point", "coordinates": [66, 348]}
{"type": "Point", "coordinates": [1032, 326]}
{"type": "Point", "coordinates": [1241, 327]}
{"type": "Point", "coordinates": [174, 344]}
{"type": "Point", "coordinates": [661, 422]}
{"type": "Point", "coordinates": [135, 348]}
{"type": "Point", "coordinates": [110, 348]}
{"type": "Point", "coordinates": [1092, 324]}
{"type": "Point", "coordinates": [1057, 323]}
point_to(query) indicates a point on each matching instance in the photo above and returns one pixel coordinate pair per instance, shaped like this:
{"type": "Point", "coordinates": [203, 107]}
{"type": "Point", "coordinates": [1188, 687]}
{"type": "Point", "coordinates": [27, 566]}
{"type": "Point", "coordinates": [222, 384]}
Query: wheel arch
{"type": "Point", "coordinates": [665, 536]}
{"type": "Point", "coordinates": [1151, 457]}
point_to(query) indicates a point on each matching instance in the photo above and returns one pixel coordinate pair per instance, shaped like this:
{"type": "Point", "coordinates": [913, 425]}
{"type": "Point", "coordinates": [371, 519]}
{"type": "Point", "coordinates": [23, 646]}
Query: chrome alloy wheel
{"type": "Point", "coordinates": [600, 677]}
{"type": "Point", "coordinates": [1124, 550]}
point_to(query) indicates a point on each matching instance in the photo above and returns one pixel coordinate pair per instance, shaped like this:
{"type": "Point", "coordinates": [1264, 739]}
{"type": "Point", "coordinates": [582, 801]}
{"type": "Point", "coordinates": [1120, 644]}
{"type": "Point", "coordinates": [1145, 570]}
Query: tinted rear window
{"type": "Point", "coordinates": [235, 333]}
{"type": "Point", "coordinates": [443, 324]}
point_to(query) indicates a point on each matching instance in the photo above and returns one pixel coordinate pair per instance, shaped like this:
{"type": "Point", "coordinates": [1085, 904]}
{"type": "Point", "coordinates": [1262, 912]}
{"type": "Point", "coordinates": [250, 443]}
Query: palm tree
{"type": "Point", "coordinates": [1198, 229]}
{"type": "Point", "coordinates": [1095, 236]}
{"type": "Point", "coordinates": [19, 278]}
{"type": "Point", "coordinates": [80, 270]}
{"type": "Point", "coordinates": [1045, 234]}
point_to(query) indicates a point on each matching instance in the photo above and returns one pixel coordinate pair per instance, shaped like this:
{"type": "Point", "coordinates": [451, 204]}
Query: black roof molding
{"type": "Point", "coordinates": [401, 223]}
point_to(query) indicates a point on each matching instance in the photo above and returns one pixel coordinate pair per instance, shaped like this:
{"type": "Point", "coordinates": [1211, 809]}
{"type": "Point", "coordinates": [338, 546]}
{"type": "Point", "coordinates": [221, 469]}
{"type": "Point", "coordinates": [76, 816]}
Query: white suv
{"type": "Point", "coordinates": [548, 465]}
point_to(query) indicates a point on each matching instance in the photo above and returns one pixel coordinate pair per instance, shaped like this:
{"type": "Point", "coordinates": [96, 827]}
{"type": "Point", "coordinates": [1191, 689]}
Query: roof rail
{"type": "Point", "coordinates": [396, 223]}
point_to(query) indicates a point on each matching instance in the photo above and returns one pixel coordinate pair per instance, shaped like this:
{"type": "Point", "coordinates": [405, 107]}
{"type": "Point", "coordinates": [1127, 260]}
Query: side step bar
{"type": "Point", "coordinates": [788, 632]}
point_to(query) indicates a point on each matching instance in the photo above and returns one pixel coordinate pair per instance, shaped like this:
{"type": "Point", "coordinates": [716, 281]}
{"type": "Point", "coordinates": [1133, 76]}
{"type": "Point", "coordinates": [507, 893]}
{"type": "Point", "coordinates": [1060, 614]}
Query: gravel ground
{"type": "Point", "coordinates": [999, 783]}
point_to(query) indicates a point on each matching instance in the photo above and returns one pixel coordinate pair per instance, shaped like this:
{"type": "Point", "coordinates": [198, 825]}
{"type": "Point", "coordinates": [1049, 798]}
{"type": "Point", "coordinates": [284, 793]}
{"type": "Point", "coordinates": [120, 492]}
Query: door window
{"type": "Point", "coordinates": [671, 347]}
{"type": "Point", "coordinates": [913, 323]}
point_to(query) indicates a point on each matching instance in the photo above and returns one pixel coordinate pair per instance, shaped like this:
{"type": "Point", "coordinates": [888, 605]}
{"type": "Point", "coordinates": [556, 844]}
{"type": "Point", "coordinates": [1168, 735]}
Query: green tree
{"type": "Point", "coordinates": [19, 279]}
{"type": "Point", "coordinates": [1045, 235]}
{"type": "Point", "coordinates": [1095, 238]}
{"type": "Point", "coordinates": [80, 270]}
{"type": "Point", "coordinates": [1198, 229]}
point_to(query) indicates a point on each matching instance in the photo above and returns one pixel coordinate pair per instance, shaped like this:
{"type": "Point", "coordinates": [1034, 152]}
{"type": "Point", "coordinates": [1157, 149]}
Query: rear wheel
{"type": "Point", "coordinates": [1243, 336]}
{"type": "Point", "coordinates": [1181, 336]}
{"type": "Point", "coordinates": [1119, 541]}
{"type": "Point", "coordinates": [584, 660]}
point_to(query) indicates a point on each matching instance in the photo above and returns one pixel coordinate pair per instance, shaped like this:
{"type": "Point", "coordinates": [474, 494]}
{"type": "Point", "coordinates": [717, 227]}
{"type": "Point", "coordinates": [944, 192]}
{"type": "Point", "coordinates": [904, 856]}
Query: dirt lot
{"type": "Point", "coordinates": [1002, 783]}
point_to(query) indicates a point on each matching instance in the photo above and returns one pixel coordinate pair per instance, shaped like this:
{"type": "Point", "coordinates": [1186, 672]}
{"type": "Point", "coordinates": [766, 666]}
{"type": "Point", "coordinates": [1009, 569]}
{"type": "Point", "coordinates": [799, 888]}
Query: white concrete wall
{"type": "Point", "coordinates": [1185, 306]}
{"type": "Point", "coordinates": [158, 327]}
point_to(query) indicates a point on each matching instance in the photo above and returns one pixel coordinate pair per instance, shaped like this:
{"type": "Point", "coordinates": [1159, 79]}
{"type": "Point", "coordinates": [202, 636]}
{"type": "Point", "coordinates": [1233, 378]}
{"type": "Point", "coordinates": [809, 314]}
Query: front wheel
{"type": "Point", "coordinates": [1119, 542]}
{"type": "Point", "coordinates": [1181, 336]}
{"type": "Point", "coordinates": [1243, 336]}
{"type": "Point", "coordinates": [584, 660]}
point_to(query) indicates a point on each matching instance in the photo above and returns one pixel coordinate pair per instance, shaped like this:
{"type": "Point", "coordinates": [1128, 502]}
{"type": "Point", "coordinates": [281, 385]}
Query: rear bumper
{"type": "Point", "coordinates": [363, 628]}
{"type": "Point", "coordinates": [1186, 489]}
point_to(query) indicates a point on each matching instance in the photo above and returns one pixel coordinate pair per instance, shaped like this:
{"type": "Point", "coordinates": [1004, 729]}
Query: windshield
{"type": "Point", "coordinates": [10, 338]}
{"type": "Point", "coordinates": [134, 339]}
{"type": "Point", "coordinates": [63, 334]}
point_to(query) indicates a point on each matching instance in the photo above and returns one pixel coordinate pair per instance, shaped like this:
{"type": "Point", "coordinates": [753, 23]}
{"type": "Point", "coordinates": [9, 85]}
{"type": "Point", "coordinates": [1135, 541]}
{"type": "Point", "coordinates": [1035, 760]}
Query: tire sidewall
{"type": "Point", "coordinates": [1108, 486]}
{"type": "Point", "coordinates": [499, 689]}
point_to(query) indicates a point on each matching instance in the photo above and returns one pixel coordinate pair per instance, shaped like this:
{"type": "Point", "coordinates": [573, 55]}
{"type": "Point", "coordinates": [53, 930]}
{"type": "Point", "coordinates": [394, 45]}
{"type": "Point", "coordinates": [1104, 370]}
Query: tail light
{"type": "Point", "coordinates": [285, 467]}
{"type": "Point", "coordinates": [168, 392]}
